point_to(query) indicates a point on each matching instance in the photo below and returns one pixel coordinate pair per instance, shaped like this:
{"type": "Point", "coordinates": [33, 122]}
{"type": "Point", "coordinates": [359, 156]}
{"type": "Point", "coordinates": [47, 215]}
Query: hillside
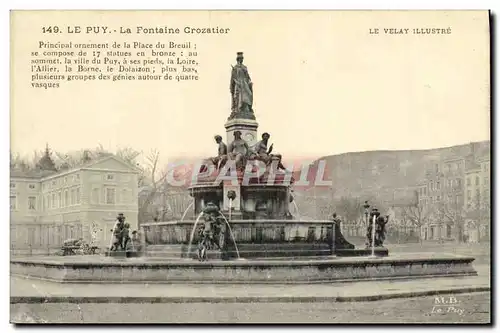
{"type": "Point", "coordinates": [388, 174]}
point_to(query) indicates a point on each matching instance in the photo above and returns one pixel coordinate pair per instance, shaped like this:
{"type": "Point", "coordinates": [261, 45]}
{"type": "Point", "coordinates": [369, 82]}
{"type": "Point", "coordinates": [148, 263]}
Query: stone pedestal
{"type": "Point", "coordinates": [247, 127]}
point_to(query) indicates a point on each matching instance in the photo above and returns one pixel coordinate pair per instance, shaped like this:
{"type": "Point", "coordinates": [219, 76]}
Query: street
{"type": "Point", "coordinates": [464, 308]}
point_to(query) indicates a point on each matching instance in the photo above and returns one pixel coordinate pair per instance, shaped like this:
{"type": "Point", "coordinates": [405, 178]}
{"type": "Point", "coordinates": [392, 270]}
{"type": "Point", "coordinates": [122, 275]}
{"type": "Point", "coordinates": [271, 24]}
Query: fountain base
{"type": "Point", "coordinates": [379, 252]}
{"type": "Point", "coordinates": [101, 269]}
{"type": "Point", "coordinates": [122, 254]}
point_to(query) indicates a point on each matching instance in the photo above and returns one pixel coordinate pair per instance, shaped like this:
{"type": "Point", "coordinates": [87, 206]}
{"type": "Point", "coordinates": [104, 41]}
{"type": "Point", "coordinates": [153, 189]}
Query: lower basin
{"type": "Point", "coordinates": [100, 269]}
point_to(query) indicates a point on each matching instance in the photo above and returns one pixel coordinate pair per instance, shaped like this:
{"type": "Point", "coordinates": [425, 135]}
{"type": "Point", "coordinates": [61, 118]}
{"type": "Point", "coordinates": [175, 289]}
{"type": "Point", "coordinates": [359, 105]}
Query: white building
{"type": "Point", "coordinates": [49, 207]}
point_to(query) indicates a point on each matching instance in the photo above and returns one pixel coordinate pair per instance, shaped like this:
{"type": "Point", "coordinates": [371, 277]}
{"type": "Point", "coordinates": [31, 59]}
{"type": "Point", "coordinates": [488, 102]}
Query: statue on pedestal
{"type": "Point", "coordinates": [241, 89]}
{"type": "Point", "coordinates": [221, 157]}
{"type": "Point", "coordinates": [212, 232]}
{"type": "Point", "coordinates": [238, 150]}
{"type": "Point", "coordinates": [218, 161]}
{"type": "Point", "coordinates": [117, 237]}
{"type": "Point", "coordinates": [262, 153]}
{"type": "Point", "coordinates": [380, 231]}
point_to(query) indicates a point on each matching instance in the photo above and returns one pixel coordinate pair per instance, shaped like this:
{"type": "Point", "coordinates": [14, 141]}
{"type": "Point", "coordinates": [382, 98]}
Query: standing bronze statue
{"type": "Point", "coordinates": [241, 89]}
{"type": "Point", "coordinates": [380, 230]}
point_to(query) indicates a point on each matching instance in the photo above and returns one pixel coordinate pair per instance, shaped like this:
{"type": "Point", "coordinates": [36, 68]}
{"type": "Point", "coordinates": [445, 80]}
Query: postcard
{"type": "Point", "coordinates": [250, 167]}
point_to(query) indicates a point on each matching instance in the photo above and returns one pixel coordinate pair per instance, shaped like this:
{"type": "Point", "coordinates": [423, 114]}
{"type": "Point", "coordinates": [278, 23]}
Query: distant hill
{"type": "Point", "coordinates": [388, 173]}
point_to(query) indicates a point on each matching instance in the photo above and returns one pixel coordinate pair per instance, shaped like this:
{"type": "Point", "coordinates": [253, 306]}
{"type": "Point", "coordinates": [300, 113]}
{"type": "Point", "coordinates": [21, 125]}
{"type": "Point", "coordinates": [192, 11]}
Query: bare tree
{"type": "Point", "coordinates": [154, 179]}
{"type": "Point", "coordinates": [417, 215]}
{"type": "Point", "coordinates": [486, 210]}
{"type": "Point", "coordinates": [18, 162]}
{"type": "Point", "coordinates": [454, 212]}
{"type": "Point", "coordinates": [350, 209]}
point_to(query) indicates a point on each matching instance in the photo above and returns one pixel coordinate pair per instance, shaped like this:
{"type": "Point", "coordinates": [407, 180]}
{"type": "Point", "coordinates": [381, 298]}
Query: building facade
{"type": "Point", "coordinates": [456, 198]}
{"type": "Point", "coordinates": [47, 208]}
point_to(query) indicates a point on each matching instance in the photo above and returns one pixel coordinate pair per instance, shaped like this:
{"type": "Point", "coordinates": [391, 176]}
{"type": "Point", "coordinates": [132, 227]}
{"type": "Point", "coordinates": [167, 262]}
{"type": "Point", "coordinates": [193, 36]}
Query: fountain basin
{"type": "Point", "coordinates": [100, 269]}
{"type": "Point", "coordinates": [255, 239]}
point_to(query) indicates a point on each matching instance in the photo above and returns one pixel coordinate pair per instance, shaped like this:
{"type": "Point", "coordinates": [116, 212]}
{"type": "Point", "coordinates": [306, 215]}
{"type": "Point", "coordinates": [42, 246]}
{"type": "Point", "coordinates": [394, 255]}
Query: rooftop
{"type": "Point", "coordinates": [40, 173]}
{"type": "Point", "coordinates": [471, 165]}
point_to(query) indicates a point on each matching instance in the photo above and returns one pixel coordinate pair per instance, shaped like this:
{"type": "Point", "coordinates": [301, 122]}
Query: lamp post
{"type": "Point", "coordinates": [366, 207]}
{"type": "Point", "coordinates": [367, 214]}
{"type": "Point", "coordinates": [373, 236]}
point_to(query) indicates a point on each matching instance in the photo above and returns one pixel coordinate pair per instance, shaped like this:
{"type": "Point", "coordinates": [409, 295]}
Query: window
{"type": "Point", "coordinates": [54, 183]}
{"type": "Point", "coordinates": [125, 197]}
{"type": "Point", "coordinates": [431, 186]}
{"type": "Point", "coordinates": [95, 196]}
{"type": "Point", "coordinates": [59, 200]}
{"type": "Point", "coordinates": [438, 185]}
{"type": "Point", "coordinates": [110, 177]}
{"type": "Point", "coordinates": [32, 186]}
{"type": "Point", "coordinates": [31, 203]}
{"type": "Point", "coordinates": [65, 180]}
{"type": "Point", "coordinates": [436, 168]}
{"type": "Point", "coordinates": [12, 185]}
{"type": "Point", "coordinates": [459, 182]}
{"type": "Point", "coordinates": [77, 176]}
{"type": "Point", "coordinates": [425, 190]}
{"type": "Point", "coordinates": [438, 198]}
{"type": "Point", "coordinates": [77, 195]}
{"type": "Point", "coordinates": [110, 196]}
{"type": "Point", "coordinates": [66, 198]}
{"type": "Point", "coordinates": [53, 200]}
{"type": "Point", "coordinates": [73, 197]}
{"type": "Point", "coordinates": [13, 201]}
{"type": "Point", "coordinates": [469, 194]}
{"type": "Point", "coordinates": [468, 181]}
{"type": "Point", "coordinates": [448, 231]}
{"type": "Point", "coordinates": [477, 180]}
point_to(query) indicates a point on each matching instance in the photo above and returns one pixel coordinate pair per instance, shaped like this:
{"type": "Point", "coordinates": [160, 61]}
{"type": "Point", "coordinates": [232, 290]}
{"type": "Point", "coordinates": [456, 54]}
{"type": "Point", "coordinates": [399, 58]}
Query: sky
{"type": "Point", "coordinates": [323, 84]}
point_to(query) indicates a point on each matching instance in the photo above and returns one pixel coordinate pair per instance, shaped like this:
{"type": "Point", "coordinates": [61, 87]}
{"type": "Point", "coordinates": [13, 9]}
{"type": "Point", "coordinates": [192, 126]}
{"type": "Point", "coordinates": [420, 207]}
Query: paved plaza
{"type": "Point", "coordinates": [31, 290]}
{"type": "Point", "coordinates": [402, 301]}
{"type": "Point", "coordinates": [470, 308]}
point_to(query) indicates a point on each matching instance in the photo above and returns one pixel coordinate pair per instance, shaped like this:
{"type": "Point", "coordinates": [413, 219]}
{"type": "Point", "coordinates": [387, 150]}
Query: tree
{"type": "Point", "coordinates": [454, 212]}
{"type": "Point", "coordinates": [46, 162]}
{"type": "Point", "coordinates": [486, 210]}
{"type": "Point", "coordinates": [416, 215]}
{"type": "Point", "coordinates": [350, 209]}
{"type": "Point", "coordinates": [155, 180]}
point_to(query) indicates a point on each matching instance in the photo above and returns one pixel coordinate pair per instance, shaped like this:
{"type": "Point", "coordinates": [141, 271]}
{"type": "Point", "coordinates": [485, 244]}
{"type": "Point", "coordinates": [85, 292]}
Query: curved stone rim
{"type": "Point", "coordinates": [190, 263]}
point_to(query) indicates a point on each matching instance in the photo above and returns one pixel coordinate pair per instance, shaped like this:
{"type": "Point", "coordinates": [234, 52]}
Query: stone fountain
{"type": "Point", "coordinates": [241, 200]}
{"type": "Point", "coordinates": [251, 188]}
